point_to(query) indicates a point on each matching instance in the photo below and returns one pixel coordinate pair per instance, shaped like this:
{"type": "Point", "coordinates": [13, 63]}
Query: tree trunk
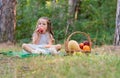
{"type": "Point", "coordinates": [77, 9]}
{"type": "Point", "coordinates": [7, 20]}
{"type": "Point", "coordinates": [71, 11]}
{"type": "Point", "coordinates": [117, 30]}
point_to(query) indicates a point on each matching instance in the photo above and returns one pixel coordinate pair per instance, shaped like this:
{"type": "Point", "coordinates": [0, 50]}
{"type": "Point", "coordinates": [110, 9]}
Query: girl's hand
{"type": "Point", "coordinates": [47, 46]}
{"type": "Point", "coordinates": [37, 30]}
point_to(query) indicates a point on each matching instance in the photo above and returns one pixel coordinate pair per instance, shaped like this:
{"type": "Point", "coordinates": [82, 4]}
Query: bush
{"type": "Point", "coordinates": [96, 18]}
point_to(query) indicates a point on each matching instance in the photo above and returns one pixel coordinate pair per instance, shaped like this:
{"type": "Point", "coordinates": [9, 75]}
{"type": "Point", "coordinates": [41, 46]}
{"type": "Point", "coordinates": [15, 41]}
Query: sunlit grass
{"type": "Point", "coordinates": [78, 66]}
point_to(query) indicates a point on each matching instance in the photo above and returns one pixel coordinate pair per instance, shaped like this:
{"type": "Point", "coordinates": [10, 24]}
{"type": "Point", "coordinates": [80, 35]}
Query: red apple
{"type": "Point", "coordinates": [40, 30]}
{"type": "Point", "coordinates": [86, 43]}
{"type": "Point", "coordinates": [81, 45]}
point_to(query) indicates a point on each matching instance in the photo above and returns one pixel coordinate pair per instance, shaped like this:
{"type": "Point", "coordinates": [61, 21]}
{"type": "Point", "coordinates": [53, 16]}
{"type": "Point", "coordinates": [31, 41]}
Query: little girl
{"type": "Point", "coordinates": [42, 39]}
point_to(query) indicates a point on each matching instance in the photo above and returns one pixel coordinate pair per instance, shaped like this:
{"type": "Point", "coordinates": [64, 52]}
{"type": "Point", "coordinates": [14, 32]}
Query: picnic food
{"type": "Point", "coordinates": [86, 43]}
{"type": "Point", "coordinates": [78, 53]}
{"type": "Point", "coordinates": [40, 30]}
{"type": "Point", "coordinates": [86, 48]}
{"type": "Point", "coordinates": [73, 46]}
{"type": "Point", "coordinates": [81, 45]}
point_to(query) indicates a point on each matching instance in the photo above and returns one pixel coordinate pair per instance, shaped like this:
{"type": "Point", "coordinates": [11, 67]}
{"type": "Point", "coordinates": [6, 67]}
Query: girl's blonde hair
{"type": "Point", "coordinates": [49, 27]}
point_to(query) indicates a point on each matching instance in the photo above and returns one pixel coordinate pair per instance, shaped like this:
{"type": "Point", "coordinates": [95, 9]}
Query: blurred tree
{"type": "Point", "coordinates": [73, 8]}
{"type": "Point", "coordinates": [95, 17]}
{"type": "Point", "coordinates": [77, 9]}
{"type": "Point", "coordinates": [117, 30]}
{"type": "Point", "coordinates": [7, 20]}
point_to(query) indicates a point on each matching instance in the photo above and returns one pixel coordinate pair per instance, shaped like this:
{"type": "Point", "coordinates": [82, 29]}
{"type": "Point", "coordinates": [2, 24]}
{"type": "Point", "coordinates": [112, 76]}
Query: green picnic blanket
{"type": "Point", "coordinates": [18, 54]}
{"type": "Point", "coordinates": [25, 55]}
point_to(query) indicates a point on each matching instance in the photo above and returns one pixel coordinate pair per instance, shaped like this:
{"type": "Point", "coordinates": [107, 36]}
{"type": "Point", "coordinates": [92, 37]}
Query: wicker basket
{"type": "Point", "coordinates": [68, 39]}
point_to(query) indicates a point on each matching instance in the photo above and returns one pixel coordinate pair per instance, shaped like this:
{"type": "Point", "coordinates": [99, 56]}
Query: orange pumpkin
{"type": "Point", "coordinates": [86, 48]}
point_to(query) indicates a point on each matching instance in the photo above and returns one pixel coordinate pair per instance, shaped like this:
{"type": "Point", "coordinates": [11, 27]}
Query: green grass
{"type": "Point", "coordinates": [77, 66]}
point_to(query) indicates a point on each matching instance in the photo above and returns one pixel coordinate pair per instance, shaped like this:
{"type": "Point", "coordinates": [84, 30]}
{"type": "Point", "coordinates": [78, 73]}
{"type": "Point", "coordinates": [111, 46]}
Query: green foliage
{"type": "Point", "coordinates": [28, 12]}
{"type": "Point", "coordinates": [96, 17]}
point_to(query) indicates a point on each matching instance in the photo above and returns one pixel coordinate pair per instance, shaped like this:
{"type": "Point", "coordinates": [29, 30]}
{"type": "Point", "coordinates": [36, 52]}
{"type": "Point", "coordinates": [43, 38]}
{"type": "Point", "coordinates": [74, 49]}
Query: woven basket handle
{"type": "Point", "coordinates": [77, 32]}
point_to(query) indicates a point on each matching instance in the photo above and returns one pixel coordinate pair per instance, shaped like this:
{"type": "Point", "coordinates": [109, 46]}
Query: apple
{"type": "Point", "coordinates": [81, 45]}
{"type": "Point", "coordinates": [40, 30]}
{"type": "Point", "coordinates": [86, 43]}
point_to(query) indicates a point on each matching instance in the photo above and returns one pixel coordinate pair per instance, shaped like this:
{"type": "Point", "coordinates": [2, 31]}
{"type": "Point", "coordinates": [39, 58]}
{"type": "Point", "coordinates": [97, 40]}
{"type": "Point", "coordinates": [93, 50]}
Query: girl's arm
{"type": "Point", "coordinates": [35, 38]}
{"type": "Point", "coordinates": [51, 41]}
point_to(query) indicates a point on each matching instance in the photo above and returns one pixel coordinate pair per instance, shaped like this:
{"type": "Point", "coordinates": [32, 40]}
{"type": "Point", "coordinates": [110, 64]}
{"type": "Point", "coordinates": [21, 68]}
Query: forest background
{"type": "Point", "coordinates": [95, 17]}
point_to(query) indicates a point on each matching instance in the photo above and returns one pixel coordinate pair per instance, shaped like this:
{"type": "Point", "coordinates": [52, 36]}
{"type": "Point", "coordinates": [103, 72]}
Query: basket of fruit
{"type": "Point", "coordinates": [72, 46]}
